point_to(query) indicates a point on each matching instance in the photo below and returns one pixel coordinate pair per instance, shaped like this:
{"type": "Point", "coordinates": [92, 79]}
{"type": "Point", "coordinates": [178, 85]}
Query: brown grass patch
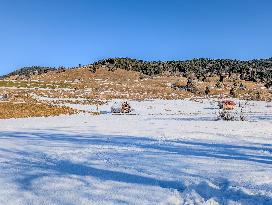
{"type": "Point", "coordinates": [24, 110]}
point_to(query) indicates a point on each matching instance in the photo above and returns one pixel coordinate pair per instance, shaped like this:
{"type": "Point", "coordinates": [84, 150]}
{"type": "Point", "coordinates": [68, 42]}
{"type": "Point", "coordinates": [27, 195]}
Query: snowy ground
{"type": "Point", "coordinates": [170, 152]}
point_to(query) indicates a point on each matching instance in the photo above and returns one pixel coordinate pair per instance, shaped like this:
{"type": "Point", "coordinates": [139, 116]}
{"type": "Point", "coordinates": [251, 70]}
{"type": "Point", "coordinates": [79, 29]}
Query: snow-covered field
{"type": "Point", "coordinates": [169, 152]}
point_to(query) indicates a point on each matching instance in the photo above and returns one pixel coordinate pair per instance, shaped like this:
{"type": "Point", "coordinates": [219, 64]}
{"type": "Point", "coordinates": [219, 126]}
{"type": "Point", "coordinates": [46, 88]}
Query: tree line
{"type": "Point", "coordinates": [251, 70]}
{"type": "Point", "coordinates": [31, 70]}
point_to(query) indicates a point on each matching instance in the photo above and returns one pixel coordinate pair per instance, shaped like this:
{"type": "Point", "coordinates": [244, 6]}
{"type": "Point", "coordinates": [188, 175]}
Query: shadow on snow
{"type": "Point", "coordinates": [31, 170]}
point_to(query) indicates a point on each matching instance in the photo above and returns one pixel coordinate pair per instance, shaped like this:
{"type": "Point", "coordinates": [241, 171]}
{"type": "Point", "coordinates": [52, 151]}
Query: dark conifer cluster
{"type": "Point", "coordinates": [252, 70]}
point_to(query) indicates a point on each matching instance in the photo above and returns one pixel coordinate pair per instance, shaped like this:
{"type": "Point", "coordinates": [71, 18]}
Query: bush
{"type": "Point", "coordinates": [207, 90]}
{"type": "Point", "coordinates": [233, 92]}
{"type": "Point", "coordinates": [228, 115]}
{"type": "Point", "coordinates": [191, 85]}
{"type": "Point", "coordinates": [218, 84]}
{"type": "Point", "coordinates": [231, 115]}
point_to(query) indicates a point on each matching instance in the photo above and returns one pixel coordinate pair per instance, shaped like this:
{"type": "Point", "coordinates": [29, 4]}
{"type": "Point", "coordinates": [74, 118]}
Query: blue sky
{"type": "Point", "coordinates": [69, 32]}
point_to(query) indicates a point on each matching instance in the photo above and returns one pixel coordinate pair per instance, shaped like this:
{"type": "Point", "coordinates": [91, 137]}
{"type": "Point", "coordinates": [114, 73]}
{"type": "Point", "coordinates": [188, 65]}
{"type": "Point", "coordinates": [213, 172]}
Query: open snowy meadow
{"type": "Point", "coordinates": [167, 152]}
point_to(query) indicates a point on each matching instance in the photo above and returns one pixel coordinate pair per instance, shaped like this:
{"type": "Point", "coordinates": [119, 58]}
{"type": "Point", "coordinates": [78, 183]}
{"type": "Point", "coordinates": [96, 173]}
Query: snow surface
{"type": "Point", "coordinates": [169, 152]}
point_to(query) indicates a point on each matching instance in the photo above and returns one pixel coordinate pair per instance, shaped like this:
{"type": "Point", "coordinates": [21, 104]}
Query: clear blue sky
{"type": "Point", "coordinates": [69, 32]}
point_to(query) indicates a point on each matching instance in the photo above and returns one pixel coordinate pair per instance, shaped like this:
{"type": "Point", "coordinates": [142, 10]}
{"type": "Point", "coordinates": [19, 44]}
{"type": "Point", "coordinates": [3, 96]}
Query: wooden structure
{"type": "Point", "coordinates": [123, 107]}
{"type": "Point", "coordinates": [126, 108]}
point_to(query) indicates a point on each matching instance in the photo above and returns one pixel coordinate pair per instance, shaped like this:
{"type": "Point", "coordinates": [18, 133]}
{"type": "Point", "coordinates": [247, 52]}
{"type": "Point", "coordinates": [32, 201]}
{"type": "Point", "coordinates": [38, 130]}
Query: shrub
{"type": "Point", "coordinates": [233, 92]}
{"type": "Point", "coordinates": [231, 115]}
{"type": "Point", "coordinates": [219, 84]}
{"type": "Point", "coordinates": [191, 85]}
{"type": "Point", "coordinates": [226, 115]}
{"type": "Point", "coordinates": [207, 90]}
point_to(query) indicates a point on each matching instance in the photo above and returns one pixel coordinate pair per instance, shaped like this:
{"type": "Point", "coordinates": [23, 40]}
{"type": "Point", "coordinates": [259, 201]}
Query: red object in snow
{"type": "Point", "coordinates": [228, 104]}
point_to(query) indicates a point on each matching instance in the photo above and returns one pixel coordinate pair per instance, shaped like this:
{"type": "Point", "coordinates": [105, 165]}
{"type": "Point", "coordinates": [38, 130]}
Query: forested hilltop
{"type": "Point", "coordinates": [32, 70]}
{"type": "Point", "coordinates": [251, 70]}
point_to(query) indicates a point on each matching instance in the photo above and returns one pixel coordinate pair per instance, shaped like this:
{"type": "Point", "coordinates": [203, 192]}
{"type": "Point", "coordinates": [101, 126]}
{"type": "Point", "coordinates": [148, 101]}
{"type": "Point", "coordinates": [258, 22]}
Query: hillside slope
{"type": "Point", "coordinates": [251, 70]}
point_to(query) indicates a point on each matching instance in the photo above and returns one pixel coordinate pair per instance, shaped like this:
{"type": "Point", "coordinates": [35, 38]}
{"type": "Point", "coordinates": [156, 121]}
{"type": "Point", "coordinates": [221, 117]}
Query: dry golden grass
{"type": "Point", "coordinates": [105, 85]}
{"type": "Point", "coordinates": [24, 110]}
{"type": "Point", "coordinates": [85, 75]}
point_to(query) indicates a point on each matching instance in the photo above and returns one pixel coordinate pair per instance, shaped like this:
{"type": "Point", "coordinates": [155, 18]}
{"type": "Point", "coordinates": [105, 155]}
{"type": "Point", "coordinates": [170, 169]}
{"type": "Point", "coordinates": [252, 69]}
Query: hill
{"type": "Point", "coordinates": [251, 70]}
{"type": "Point", "coordinates": [28, 71]}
